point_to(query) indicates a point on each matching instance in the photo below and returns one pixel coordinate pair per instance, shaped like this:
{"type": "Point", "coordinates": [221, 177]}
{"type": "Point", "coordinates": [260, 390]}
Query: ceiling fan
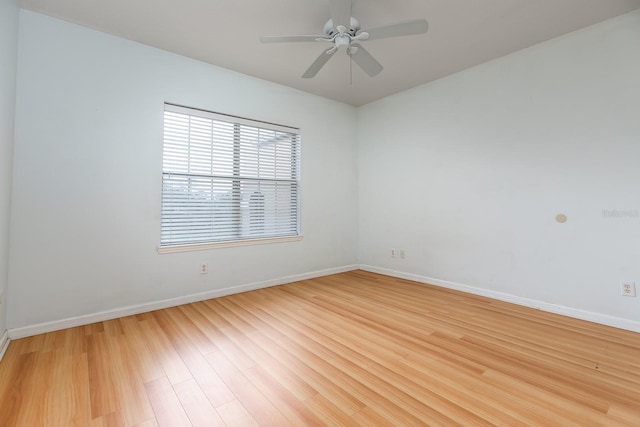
{"type": "Point", "coordinates": [343, 31]}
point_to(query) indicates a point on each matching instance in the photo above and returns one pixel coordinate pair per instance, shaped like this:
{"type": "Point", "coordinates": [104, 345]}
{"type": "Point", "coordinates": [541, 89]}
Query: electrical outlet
{"type": "Point", "coordinates": [393, 253]}
{"type": "Point", "coordinates": [401, 253]}
{"type": "Point", "coordinates": [628, 289]}
{"type": "Point", "coordinates": [204, 268]}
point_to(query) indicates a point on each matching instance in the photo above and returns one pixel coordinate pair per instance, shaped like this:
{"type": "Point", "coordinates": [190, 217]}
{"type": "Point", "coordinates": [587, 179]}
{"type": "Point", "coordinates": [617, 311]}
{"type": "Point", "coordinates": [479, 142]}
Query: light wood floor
{"type": "Point", "coordinates": [350, 349]}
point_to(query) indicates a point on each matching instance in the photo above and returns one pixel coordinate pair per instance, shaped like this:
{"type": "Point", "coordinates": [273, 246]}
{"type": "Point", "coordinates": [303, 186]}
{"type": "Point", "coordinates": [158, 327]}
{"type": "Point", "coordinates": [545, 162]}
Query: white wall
{"type": "Point", "coordinates": [87, 175]}
{"type": "Point", "coordinates": [8, 47]}
{"type": "Point", "coordinates": [467, 174]}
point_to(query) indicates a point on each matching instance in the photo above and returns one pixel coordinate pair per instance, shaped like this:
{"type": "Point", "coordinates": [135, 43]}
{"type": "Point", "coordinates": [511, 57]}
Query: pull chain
{"type": "Point", "coordinates": [350, 71]}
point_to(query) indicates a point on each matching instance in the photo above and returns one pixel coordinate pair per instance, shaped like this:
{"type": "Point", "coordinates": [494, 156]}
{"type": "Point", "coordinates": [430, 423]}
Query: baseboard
{"type": "Point", "coordinates": [602, 319]}
{"type": "Point", "coordinates": [57, 325]}
{"type": "Point", "coordinates": [4, 343]}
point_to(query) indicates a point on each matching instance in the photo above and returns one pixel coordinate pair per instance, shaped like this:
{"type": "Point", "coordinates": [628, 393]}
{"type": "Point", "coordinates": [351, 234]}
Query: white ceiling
{"type": "Point", "coordinates": [226, 33]}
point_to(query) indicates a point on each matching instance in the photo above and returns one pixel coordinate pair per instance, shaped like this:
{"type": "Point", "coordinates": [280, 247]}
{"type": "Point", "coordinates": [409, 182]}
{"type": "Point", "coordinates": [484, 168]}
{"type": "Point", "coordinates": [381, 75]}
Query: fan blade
{"type": "Point", "coordinates": [407, 28]}
{"type": "Point", "coordinates": [291, 39]}
{"type": "Point", "coordinates": [341, 13]}
{"type": "Point", "coordinates": [324, 57]}
{"type": "Point", "coordinates": [365, 61]}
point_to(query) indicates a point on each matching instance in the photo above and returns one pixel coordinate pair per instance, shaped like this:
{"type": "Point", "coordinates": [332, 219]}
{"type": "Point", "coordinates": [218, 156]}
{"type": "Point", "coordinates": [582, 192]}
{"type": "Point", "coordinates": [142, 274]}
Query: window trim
{"type": "Point", "coordinates": [181, 109]}
{"type": "Point", "coordinates": [226, 244]}
{"type": "Point", "coordinates": [188, 247]}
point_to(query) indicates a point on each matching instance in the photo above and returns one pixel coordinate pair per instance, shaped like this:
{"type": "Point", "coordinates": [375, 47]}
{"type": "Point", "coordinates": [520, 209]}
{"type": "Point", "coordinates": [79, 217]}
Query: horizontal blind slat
{"type": "Point", "coordinates": [227, 179]}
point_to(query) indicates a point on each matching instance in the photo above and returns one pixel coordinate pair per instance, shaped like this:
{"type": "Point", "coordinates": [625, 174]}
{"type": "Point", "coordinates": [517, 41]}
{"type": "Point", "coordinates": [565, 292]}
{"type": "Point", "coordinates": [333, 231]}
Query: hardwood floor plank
{"type": "Point", "coordinates": [327, 386]}
{"type": "Point", "coordinates": [624, 413]}
{"type": "Point", "coordinates": [277, 369]}
{"type": "Point", "coordinates": [93, 328]}
{"type": "Point", "coordinates": [196, 405]}
{"type": "Point", "coordinates": [368, 417]}
{"type": "Point", "coordinates": [212, 385]}
{"type": "Point", "coordinates": [188, 328]}
{"type": "Point", "coordinates": [552, 406]}
{"type": "Point", "coordinates": [234, 414]}
{"type": "Point", "coordinates": [67, 399]}
{"type": "Point", "coordinates": [133, 402]}
{"type": "Point", "coordinates": [102, 390]}
{"type": "Point", "coordinates": [563, 382]}
{"type": "Point", "coordinates": [328, 413]}
{"type": "Point", "coordinates": [166, 405]}
{"type": "Point", "coordinates": [164, 352]}
{"type": "Point", "coordinates": [110, 420]}
{"type": "Point", "coordinates": [34, 391]}
{"type": "Point", "coordinates": [355, 348]}
{"type": "Point", "coordinates": [142, 357]}
{"type": "Point", "coordinates": [469, 390]}
{"type": "Point", "coordinates": [304, 361]}
{"type": "Point", "coordinates": [290, 405]}
{"type": "Point", "coordinates": [13, 380]}
{"type": "Point", "coordinates": [113, 328]}
{"type": "Point", "coordinates": [79, 392]}
{"type": "Point", "coordinates": [225, 331]}
{"type": "Point", "coordinates": [148, 423]}
{"type": "Point", "coordinates": [354, 386]}
{"type": "Point", "coordinates": [260, 408]}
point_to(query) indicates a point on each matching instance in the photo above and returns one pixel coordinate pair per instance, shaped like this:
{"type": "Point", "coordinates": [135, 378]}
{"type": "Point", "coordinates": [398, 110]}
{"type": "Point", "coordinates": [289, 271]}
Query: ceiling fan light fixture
{"type": "Point", "coordinates": [363, 35]}
{"type": "Point", "coordinates": [336, 31]}
{"type": "Point", "coordinates": [342, 40]}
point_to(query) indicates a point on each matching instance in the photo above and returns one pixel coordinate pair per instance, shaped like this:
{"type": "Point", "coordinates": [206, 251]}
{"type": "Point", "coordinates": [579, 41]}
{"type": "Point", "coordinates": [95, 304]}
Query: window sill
{"type": "Point", "coordinates": [230, 244]}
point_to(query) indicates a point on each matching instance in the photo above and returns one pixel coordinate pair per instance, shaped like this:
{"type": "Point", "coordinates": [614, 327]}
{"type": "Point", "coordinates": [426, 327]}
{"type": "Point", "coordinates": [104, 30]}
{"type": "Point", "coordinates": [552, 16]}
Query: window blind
{"type": "Point", "coordinates": [226, 178]}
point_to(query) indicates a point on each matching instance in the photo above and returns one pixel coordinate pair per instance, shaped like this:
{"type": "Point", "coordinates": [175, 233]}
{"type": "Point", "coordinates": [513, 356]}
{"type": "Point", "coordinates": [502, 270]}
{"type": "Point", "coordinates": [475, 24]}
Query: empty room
{"type": "Point", "coordinates": [319, 213]}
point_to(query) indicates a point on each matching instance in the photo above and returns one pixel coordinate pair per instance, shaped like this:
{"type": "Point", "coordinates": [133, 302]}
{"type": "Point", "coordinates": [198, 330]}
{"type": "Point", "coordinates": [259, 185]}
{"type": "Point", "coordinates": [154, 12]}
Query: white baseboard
{"type": "Point", "coordinates": [4, 343]}
{"type": "Point", "coordinates": [57, 325]}
{"type": "Point", "coordinates": [603, 319]}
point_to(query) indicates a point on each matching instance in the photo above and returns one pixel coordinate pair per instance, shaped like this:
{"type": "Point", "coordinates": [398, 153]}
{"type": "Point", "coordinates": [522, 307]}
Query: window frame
{"type": "Point", "coordinates": [236, 179]}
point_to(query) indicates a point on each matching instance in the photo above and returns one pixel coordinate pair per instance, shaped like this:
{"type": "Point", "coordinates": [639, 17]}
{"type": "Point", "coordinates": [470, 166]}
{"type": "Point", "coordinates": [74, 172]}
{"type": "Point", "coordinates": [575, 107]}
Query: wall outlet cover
{"type": "Point", "coordinates": [627, 288]}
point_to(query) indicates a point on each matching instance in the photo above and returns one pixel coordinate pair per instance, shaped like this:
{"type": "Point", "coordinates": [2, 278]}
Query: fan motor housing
{"type": "Point", "coordinates": [354, 27]}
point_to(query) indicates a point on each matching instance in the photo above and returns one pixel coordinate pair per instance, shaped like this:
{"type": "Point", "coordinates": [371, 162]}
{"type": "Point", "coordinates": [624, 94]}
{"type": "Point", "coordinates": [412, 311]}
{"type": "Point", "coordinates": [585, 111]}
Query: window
{"type": "Point", "coordinates": [227, 179]}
